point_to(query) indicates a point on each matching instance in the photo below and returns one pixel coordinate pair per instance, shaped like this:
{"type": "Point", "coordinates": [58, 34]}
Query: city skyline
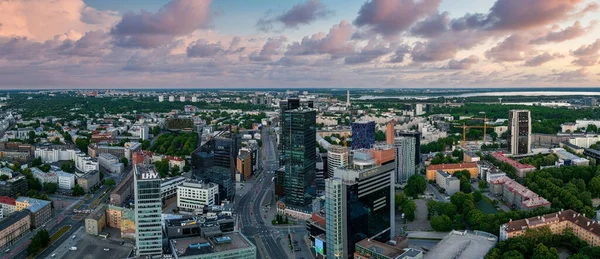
{"type": "Point", "coordinates": [309, 43]}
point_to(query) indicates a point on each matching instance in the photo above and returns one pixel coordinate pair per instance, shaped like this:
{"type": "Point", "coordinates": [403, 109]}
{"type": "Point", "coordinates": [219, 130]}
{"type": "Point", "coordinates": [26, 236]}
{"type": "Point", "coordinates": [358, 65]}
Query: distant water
{"type": "Point", "coordinates": [499, 94]}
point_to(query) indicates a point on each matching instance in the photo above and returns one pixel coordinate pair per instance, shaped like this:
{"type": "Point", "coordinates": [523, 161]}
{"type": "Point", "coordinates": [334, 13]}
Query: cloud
{"type": "Point", "coordinates": [465, 63]}
{"type": "Point", "coordinates": [203, 49]}
{"type": "Point", "coordinates": [150, 30]}
{"type": "Point", "coordinates": [271, 47]}
{"type": "Point", "coordinates": [335, 43]}
{"type": "Point", "coordinates": [90, 15]}
{"type": "Point", "coordinates": [519, 14]}
{"type": "Point", "coordinates": [400, 53]}
{"type": "Point", "coordinates": [587, 55]}
{"type": "Point", "coordinates": [300, 14]}
{"type": "Point", "coordinates": [540, 59]}
{"type": "Point", "coordinates": [92, 44]}
{"type": "Point", "coordinates": [432, 26]}
{"type": "Point", "coordinates": [391, 17]}
{"type": "Point", "coordinates": [446, 46]}
{"type": "Point", "coordinates": [372, 51]}
{"type": "Point", "coordinates": [568, 33]}
{"type": "Point", "coordinates": [570, 76]}
{"type": "Point", "coordinates": [510, 49]}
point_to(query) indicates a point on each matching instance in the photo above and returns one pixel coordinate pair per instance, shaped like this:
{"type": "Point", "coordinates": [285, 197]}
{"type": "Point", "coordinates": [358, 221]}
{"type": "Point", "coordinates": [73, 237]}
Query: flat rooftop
{"type": "Point", "coordinates": [209, 245]}
{"type": "Point", "coordinates": [500, 156]}
{"type": "Point", "coordinates": [465, 245]}
{"type": "Point", "coordinates": [146, 172]}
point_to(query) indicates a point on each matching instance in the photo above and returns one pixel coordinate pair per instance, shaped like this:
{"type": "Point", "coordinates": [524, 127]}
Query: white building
{"type": "Point", "coordinates": [161, 98]}
{"type": "Point", "coordinates": [110, 163]}
{"type": "Point", "coordinates": [82, 162]}
{"type": "Point", "coordinates": [192, 195]}
{"type": "Point", "coordinates": [447, 182]}
{"type": "Point", "coordinates": [171, 98]}
{"type": "Point", "coordinates": [143, 132]}
{"type": "Point", "coordinates": [182, 98]}
{"type": "Point", "coordinates": [65, 180]}
{"type": "Point", "coordinates": [44, 177]}
{"type": "Point", "coordinates": [168, 188]}
{"type": "Point", "coordinates": [567, 158]}
{"type": "Point", "coordinates": [194, 99]}
{"type": "Point", "coordinates": [584, 142]}
{"type": "Point", "coordinates": [8, 205]}
{"type": "Point", "coordinates": [419, 109]}
{"type": "Point", "coordinates": [405, 158]}
{"type": "Point", "coordinates": [337, 156]}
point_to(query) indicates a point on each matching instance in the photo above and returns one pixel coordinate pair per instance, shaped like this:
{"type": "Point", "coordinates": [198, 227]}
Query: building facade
{"type": "Point", "coordinates": [448, 182]}
{"type": "Point", "coordinates": [13, 227]}
{"type": "Point", "coordinates": [65, 180]}
{"type": "Point", "coordinates": [363, 134]}
{"type": "Point", "coordinates": [89, 180]}
{"type": "Point", "coordinates": [405, 158]}
{"type": "Point", "coordinates": [337, 156]}
{"type": "Point", "coordinates": [519, 132]}
{"type": "Point", "coordinates": [96, 221]}
{"type": "Point", "coordinates": [41, 210]}
{"type": "Point", "coordinates": [192, 195]}
{"type": "Point", "coordinates": [148, 208]}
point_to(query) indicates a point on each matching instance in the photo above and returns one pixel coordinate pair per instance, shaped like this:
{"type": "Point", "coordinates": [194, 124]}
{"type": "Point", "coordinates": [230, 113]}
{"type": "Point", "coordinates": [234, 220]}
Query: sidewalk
{"type": "Point", "coordinates": [426, 235]}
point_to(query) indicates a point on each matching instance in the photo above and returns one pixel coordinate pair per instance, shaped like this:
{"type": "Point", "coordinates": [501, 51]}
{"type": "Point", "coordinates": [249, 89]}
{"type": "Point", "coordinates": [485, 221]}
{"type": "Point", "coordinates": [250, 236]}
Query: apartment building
{"type": "Point", "coordinates": [517, 195]}
{"type": "Point", "coordinates": [13, 227]}
{"type": "Point", "coordinates": [473, 169]}
{"type": "Point", "coordinates": [41, 210]}
{"type": "Point", "coordinates": [192, 195]}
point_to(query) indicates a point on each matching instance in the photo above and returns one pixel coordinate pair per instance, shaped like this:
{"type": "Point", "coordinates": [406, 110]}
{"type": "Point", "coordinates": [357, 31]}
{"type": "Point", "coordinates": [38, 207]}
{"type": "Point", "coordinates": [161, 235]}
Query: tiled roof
{"type": "Point", "coordinates": [452, 166]}
{"type": "Point", "coordinates": [7, 200]}
{"type": "Point", "coordinates": [500, 156]}
{"type": "Point", "coordinates": [576, 218]}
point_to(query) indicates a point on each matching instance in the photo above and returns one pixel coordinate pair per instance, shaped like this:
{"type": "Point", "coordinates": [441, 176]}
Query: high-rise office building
{"type": "Point", "coordinates": [286, 105]}
{"type": "Point", "coordinates": [405, 158]}
{"type": "Point", "coordinates": [298, 146]}
{"type": "Point", "coordinates": [590, 101]}
{"type": "Point", "coordinates": [148, 208]}
{"type": "Point", "coordinates": [519, 132]}
{"type": "Point", "coordinates": [359, 203]}
{"type": "Point", "coordinates": [337, 156]}
{"type": "Point", "coordinates": [417, 136]}
{"type": "Point", "coordinates": [363, 134]}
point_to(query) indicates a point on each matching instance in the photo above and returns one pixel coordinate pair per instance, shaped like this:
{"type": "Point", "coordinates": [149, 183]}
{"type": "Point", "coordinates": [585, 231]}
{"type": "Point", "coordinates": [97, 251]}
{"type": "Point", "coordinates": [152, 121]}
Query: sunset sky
{"type": "Point", "coordinates": [50, 44]}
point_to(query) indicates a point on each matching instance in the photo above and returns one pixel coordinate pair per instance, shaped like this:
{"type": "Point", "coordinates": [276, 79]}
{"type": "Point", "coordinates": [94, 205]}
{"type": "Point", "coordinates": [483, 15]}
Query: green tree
{"type": "Point", "coordinates": [68, 166]}
{"type": "Point", "coordinates": [124, 161]}
{"type": "Point", "coordinates": [477, 196]}
{"type": "Point", "coordinates": [31, 137]}
{"type": "Point", "coordinates": [110, 182]}
{"type": "Point", "coordinates": [482, 184]}
{"type": "Point", "coordinates": [379, 136]}
{"type": "Point", "coordinates": [50, 188]}
{"type": "Point", "coordinates": [441, 223]}
{"type": "Point", "coordinates": [512, 255]}
{"type": "Point", "coordinates": [36, 162]}
{"type": "Point", "coordinates": [78, 190]}
{"type": "Point", "coordinates": [594, 186]}
{"type": "Point", "coordinates": [3, 177]}
{"type": "Point", "coordinates": [415, 185]}
{"type": "Point", "coordinates": [175, 170]}
{"type": "Point", "coordinates": [40, 240]}
{"type": "Point", "coordinates": [542, 252]}
{"type": "Point", "coordinates": [399, 199]}
{"type": "Point", "coordinates": [409, 207]}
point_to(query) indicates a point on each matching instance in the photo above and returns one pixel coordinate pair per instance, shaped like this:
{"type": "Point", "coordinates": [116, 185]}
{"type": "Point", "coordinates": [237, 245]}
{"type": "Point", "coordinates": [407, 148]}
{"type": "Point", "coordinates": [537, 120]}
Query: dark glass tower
{"type": "Point", "coordinates": [298, 152]}
{"type": "Point", "coordinates": [363, 134]}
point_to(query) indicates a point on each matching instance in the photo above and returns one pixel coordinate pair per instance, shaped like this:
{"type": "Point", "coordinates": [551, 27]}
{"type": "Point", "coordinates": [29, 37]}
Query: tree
{"type": "Point", "coordinates": [145, 144]}
{"type": "Point", "coordinates": [379, 136]}
{"type": "Point", "coordinates": [124, 161]}
{"type": "Point", "coordinates": [415, 185]}
{"type": "Point", "coordinates": [477, 196]}
{"type": "Point", "coordinates": [594, 186]}
{"type": "Point", "coordinates": [482, 184]}
{"type": "Point", "coordinates": [399, 199]}
{"type": "Point", "coordinates": [3, 177]}
{"type": "Point", "coordinates": [110, 182]}
{"type": "Point", "coordinates": [441, 223]}
{"type": "Point", "coordinates": [78, 190]}
{"type": "Point", "coordinates": [175, 170]}
{"type": "Point", "coordinates": [409, 207]}
{"type": "Point", "coordinates": [45, 167]}
{"type": "Point", "coordinates": [513, 255]}
{"type": "Point", "coordinates": [542, 252]}
{"type": "Point", "coordinates": [31, 137]}
{"type": "Point", "coordinates": [68, 166]}
{"type": "Point", "coordinates": [50, 188]}
{"type": "Point", "coordinates": [36, 162]}
{"type": "Point", "coordinates": [40, 240]}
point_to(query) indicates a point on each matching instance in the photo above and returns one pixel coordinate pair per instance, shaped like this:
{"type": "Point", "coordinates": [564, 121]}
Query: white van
{"type": "Point", "coordinates": [73, 248]}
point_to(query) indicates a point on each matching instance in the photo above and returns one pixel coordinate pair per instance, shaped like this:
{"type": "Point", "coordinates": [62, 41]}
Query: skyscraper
{"type": "Point", "coordinates": [148, 207]}
{"type": "Point", "coordinates": [337, 156]}
{"type": "Point", "coordinates": [298, 151]}
{"type": "Point", "coordinates": [363, 134]}
{"type": "Point", "coordinates": [417, 136]}
{"type": "Point", "coordinates": [519, 132]}
{"type": "Point", "coordinates": [405, 158]}
{"type": "Point", "coordinates": [359, 204]}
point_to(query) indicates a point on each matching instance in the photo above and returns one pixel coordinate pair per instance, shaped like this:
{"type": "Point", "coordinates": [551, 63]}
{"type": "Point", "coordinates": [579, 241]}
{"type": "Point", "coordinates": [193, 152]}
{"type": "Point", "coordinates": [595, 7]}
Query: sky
{"type": "Point", "coordinates": [55, 44]}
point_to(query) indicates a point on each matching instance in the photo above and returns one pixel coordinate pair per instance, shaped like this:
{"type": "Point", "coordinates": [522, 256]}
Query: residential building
{"type": "Point", "coordinates": [519, 132]}
{"type": "Point", "coordinates": [231, 245]}
{"type": "Point", "coordinates": [298, 146]}
{"type": "Point", "coordinates": [337, 156]}
{"type": "Point", "coordinates": [82, 161]}
{"type": "Point", "coordinates": [405, 158]}
{"type": "Point", "coordinates": [14, 186]}
{"type": "Point", "coordinates": [470, 156]}
{"type": "Point", "coordinates": [463, 245]}
{"type": "Point", "coordinates": [359, 202]}
{"type": "Point", "coordinates": [363, 134]}
{"type": "Point", "coordinates": [517, 195]}
{"type": "Point", "coordinates": [244, 165]}
{"type": "Point", "coordinates": [41, 210]}
{"type": "Point", "coordinates": [44, 177]}
{"type": "Point", "coordinates": [168, 187]}
{"type": "Point", "coordinates": [584, 228]}
{"type": "Point", "coordinates": [14, 227]}
{"type": "Point", "coordinates": [590, 101]}
{"type": "Point", "coordinates": [89, 180]}
{"type": "Point", "coordinates": [96, 221]}
{"type": "Point", "coordinates": [521, 169]}
{"type": "Point", "coordinates": [417, 136]}
{"type": "Point", "coordinates": [451, 168]}
{"type": "Point", "coordinates": [192, 195]}
{"type": "Point", "coordinates": [123, 219]}
{"type": "Point", "coordinates": [397, 248]}
{"type": "Point", "coordinates": [161, 98]}
{"type": "Point", "coordinates": [110, 163]}
{"type": "Point", "coordinates": [65, 180]}
{"type": "Point", "coordinates": [8, 205]}
{"type": "Point", "coordinates": [489, 172]}
{"type": "Point", "coordinates": [447, 182]}
{"type": "Point", "coordinates": [175, 161]}
{"type": "Point", "coordinates": [148, 208]}
{"type": "Point", "coordinates": [123, 191]}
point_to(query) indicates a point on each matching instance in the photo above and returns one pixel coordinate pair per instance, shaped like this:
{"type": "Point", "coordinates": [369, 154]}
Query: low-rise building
{"type": "Point", "coordinates": [584, 228]}
{"type": "Point", "coordinates": [41, 210]}
{"type": "Point", "coordinates": [8, 205]}
{"type": "Point", "coordinates": [568, 159]}
{"type": "Point", "coordinates": [451, 168]}
{"type": "Point", "coordinates": [123, 219]}
{"type": "Point", "coordinates": [49, 177]}
{"type": "Point", "coordinates": [96, 221]}
{"type": "Point", "coordinates": [447, 182]}
{"type": "Point", "coordinates": [470, 156]}
{"type": "Point", "coordinates": [208, 226]}
{"type": "Point", "coordinates": [110, 163]}
{"type": "Point", "coordinates": [168, 187]}
{"type": "Point", "coordinates": [463, 245]}
{"type": "Point", "coordinates": [521, 169]}
{"type": "Point", "coordinates": [396, 248]}
{"type": "Point", "coordinates": [89, 180]}
{"type": "Point", "coordinates": [123, 191]}
{"type": "Point", "coordinates": [517, 195]}
{"type": "Point", "coordinates": [192, 195]}
{"type": "Point", "coordinates": [13, 227]}
{"type": "Point", "coordinates": [489, 172]}
{"type": "Point", "coordinates": [14, 186]}
{"type": "Point", "coordinates": [232, 245]}
{"type": "Point", "coordinates": [65, 180]}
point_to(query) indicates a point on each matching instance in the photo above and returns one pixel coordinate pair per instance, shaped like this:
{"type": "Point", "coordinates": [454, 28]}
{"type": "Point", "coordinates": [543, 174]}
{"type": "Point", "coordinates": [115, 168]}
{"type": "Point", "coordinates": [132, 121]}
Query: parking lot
{"type": "Point", "coordinates": [89, 247]}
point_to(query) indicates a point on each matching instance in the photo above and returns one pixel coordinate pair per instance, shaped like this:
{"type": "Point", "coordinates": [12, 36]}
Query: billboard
{"type": "Point", "coordinates": [319, 247]}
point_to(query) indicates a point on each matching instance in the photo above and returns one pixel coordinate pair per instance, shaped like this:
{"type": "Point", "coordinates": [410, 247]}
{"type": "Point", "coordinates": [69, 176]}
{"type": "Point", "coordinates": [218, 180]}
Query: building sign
{"type": "Point", "coordinates": [319, 247]}
{"type": "Point", "coordinates": [146, 176]}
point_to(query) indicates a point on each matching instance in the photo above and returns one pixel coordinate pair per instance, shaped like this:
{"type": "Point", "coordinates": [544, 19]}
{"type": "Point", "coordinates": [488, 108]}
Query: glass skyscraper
{"type": "Point", "coordinates": [405, 158]}
{"type": "Point", "coordinates": [363, 134]}
{"type": "Point", "coordinates": [148, 208]}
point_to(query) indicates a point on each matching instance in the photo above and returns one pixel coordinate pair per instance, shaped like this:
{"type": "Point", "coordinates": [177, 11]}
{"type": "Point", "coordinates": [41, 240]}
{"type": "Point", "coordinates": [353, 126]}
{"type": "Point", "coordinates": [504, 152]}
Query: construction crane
{"type": "Point", "coordinates": [465, 127]}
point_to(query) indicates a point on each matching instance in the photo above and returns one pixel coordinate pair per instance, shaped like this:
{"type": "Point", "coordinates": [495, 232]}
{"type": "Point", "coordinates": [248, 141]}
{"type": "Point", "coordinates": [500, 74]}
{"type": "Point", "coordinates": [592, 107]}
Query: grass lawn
{"type": "Point", "coordinates": [485, 206]}
{"type": "Point", "coordinates": [59, 233]}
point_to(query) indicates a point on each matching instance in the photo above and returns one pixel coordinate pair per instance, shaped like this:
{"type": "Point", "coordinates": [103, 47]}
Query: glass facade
{"type": "Point", "coordinates": [148, 209]}
{"type": "Point", "coordinates": [405, 158]}
{"type": "Point", "coordinates": [363, 135]}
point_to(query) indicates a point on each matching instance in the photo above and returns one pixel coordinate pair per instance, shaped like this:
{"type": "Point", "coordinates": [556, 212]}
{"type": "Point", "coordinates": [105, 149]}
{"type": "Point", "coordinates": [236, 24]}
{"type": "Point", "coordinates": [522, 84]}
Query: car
{"type": "Point", "coordinates": [7, 250]}
{"type": "Point", "coordinates": [73, 237]}
{"type": "Point", "coordinates": [73, 248]}
{"type": "Point", "coordinates": [53, 255]}
{"type": "Point", "coordinates": [297, 250]}
{"type": "Point", "coordinates": [106, 249]}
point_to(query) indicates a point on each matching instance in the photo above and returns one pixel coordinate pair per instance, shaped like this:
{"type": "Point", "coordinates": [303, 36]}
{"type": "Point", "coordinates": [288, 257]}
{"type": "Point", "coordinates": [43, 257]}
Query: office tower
{"type": "Point", "coordinates": [337, 156]}
{"type": "Point", "coordinates": [419, 109]}
{"type": "Point", "coordinates": [519, 132]}
{"type": "Point", "coordinates": [348, 98]}
{"type": "Point", "coordinates": [390, 133]}
{"type": "Point", "coordinates": [359, 203]}
{"type": "Point", "coordinates": [148, 207]}
{"type": "Point", "coordinates": [417, 136]}
{"type": "Point", "coordinates": [405, 158]}
{"type": "Point", "coordinates": [590, 101]}
{"type": "Point", "coordinates": [298, 146]}
{"type": "Point", "coordinates": [363, 134]}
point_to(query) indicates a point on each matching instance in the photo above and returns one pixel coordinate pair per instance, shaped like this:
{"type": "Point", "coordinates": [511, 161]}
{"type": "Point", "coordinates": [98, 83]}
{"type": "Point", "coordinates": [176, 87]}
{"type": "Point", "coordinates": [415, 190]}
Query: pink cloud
{"type": "Point", "coordinates": [390, 17]}
{"type": "Point", "coordinates": [335, 43]}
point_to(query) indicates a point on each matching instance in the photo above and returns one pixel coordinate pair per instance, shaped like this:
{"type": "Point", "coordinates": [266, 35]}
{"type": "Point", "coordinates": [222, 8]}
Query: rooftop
{"type": "Point", "coordinates": [463, 244]}
{"type": "Point", "coordinates": [500, 156]}
{"type": "Point", "coordinates": [7, 200]}
{"type": "Point", "coordinates": [97, 213]}
{"type": "Point", "coordinates": [452, 166]}
{"type": "Point", "coordinates": [146, 172]}
{"type": "Point", "coordinates": [34, 204]}
{"type": "Point", "coordinates": [15, 217]}
{"type": "Point", "coordinates": [386, 249]}
{"type": "Point", "coordinates": [530, 198]}
{"type": "Point", "coordinates": [201, 245]}
{"type": "Point", "coordinates": [589, 225]}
